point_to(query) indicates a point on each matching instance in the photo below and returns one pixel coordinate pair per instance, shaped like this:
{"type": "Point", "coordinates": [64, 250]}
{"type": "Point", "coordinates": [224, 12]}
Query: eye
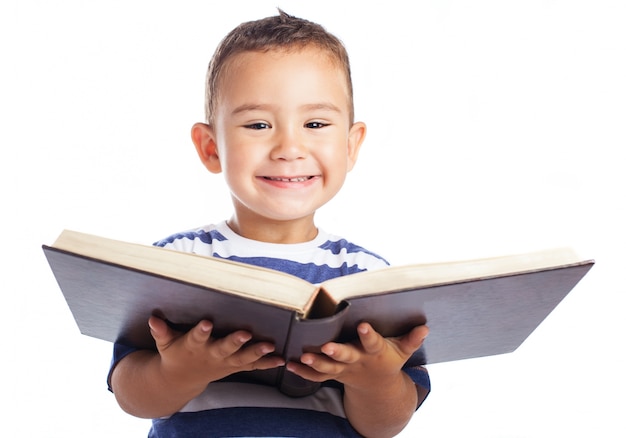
{"type": "Point", "coordinates": [315, 125]}
{"type": "Point", "coordinates": [258, 126]}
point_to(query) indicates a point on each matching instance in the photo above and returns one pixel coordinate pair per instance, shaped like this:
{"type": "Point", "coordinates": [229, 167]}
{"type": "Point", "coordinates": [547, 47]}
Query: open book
{"type": "Point", "coordinates": [473, 308]}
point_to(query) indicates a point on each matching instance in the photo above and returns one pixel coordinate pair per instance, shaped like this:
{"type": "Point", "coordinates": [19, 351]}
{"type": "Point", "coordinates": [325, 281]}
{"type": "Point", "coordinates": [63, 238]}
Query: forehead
{"type": "Point", "coordinates": [305, 64]}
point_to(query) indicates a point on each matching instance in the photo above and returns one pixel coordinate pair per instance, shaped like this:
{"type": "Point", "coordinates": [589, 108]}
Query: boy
{"type": "Point", "coordinates": [280, 127]}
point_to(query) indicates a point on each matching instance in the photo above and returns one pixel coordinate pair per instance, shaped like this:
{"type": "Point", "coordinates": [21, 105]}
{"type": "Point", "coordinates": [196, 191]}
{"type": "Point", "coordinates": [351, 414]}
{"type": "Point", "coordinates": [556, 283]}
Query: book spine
{"type": "Point", "coordinates": [308, 335]}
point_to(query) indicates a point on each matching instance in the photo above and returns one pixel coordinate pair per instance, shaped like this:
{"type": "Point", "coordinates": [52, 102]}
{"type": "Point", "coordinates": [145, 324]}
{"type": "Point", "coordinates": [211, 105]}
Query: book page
{"type": "Point", "coordinates": [397, 278]}
{"type": "Point", "coordinates": [254, 282]}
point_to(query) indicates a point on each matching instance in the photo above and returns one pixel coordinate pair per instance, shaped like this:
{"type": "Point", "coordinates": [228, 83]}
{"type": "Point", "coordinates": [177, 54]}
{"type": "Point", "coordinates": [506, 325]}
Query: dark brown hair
{"type": "Point", "coordinates": [284, 32]}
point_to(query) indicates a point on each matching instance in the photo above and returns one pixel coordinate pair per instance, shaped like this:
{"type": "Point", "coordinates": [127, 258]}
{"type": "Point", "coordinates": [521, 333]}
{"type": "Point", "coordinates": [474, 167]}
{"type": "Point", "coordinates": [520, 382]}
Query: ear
{"type": "Point", "coordinates": [203, 138]}
{"type": "Point", "coordinates": [355, 140]}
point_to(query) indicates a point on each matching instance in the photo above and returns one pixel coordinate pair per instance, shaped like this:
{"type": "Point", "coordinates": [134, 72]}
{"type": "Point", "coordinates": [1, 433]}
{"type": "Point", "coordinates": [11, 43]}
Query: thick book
{"type": "Point", "coordinates": [473, 308]}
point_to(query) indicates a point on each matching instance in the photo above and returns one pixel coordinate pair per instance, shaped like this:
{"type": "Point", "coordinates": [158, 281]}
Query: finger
{"type": "Point", "coordinates": [252, 354]}
{"type": "Point", "coordinates": [200, 334]}
{"type": "Point", "coordinates": [323, 364]}
{"type": "Point", "coordinates": [162, 334]}
{"type": "Point", "coordinates": [267, 362]}
{"type": "Point", "coordinates": [230, 344]}
{"type": "Point", "coordinates": [308, 373]}
{"type": "Point", "coordinates": [345, 353]}
{"type": "Point", "coordinates": [255, 357]}
{"type": "Point", "coordinates": [371, 341]}
{"type": "Point", "coordinates": [412, 341]}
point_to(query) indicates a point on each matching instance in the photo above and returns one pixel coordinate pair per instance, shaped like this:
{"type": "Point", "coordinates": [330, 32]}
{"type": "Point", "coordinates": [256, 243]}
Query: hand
{"type": "Point", "coordinates": [372, 360]}
{"type": "Point", "coordinates": [196, 359]}
{"type": "Point", "coordinates": [379, 398]}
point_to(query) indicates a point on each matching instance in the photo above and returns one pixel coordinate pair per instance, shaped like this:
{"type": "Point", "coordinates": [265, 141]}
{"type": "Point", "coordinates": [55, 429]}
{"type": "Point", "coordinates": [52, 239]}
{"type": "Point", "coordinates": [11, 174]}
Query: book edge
{"type": "Point", "coordinates": [368, 282]}
{"type": "Point", "coordinates": [270, 286]}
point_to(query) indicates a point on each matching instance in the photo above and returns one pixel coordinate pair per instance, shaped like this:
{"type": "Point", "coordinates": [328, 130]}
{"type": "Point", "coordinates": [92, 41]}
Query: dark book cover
{"type": "Point", "coordinates": [467, 319]}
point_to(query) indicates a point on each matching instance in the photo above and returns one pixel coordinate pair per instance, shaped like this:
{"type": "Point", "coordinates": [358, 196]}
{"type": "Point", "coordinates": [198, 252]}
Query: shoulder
{"type": "Point", "coordinates": [198, 240]}
{"type": "Point", "coordinates": [340, 248]}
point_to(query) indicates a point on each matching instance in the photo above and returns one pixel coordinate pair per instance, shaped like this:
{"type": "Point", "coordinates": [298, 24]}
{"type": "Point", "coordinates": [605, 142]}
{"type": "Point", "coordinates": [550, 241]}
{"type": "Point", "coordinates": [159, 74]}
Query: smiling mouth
{"type": "Point", "coordinates": [294, 179]}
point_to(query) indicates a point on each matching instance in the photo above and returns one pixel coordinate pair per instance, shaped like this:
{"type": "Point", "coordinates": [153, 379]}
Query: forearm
{"type": "Point", "coordinates": [142, 390]}
{"type": "Point", "coordinates": [383, 409]}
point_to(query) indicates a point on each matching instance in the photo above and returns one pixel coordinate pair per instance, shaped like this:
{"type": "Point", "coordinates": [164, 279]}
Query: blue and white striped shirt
{"type": "Point", "coordinates": [318, 260]}
{"type": "Point", "coordinates": [237, 409]}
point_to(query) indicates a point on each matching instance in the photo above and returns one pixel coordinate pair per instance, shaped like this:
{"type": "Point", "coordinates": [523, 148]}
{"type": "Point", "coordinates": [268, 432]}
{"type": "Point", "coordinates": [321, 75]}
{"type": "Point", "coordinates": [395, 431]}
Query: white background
{"type": "Point", "coordinates": [494, 127]}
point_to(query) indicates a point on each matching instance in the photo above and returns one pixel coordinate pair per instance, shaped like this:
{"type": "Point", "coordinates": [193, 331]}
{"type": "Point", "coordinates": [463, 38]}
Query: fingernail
{"type": "Point", "coordinates": [265, 349]}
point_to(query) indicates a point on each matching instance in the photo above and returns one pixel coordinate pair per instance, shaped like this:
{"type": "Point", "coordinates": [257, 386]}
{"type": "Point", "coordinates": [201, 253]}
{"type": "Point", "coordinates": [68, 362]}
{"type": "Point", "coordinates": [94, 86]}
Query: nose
{"type": "Point", "coordinates": [288, 145]}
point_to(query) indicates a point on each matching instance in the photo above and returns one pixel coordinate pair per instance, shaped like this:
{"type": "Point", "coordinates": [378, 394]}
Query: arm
{"type": "Point", "coordinates": [379, 398]}
{"type": "Point", "coordinates": [385, 402]}
{"type": "Point", "coordinates": [151, 384]}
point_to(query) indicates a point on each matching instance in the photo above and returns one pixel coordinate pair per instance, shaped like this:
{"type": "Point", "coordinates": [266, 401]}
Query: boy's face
{"type": "Point", "coordinates": [282, 133]}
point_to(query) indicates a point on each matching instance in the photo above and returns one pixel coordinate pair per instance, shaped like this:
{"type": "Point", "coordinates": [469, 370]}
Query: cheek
{"type": "Point", "coordinates": [335, 159]}
{"type": "Point", "coordinates": [237, 159]}
{"type": "Point", "coordinates": [335, 167]}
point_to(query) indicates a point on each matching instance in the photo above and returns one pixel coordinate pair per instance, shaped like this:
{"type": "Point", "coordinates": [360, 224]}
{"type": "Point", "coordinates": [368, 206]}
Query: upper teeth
{"type": "Point", "coordinates": [298, 179]}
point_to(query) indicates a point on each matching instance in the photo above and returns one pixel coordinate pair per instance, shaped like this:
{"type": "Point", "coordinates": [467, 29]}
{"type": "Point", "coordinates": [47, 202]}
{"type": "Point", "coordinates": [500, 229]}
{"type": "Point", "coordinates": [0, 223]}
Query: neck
{"type": "Point", "coordinates": [274, 231]}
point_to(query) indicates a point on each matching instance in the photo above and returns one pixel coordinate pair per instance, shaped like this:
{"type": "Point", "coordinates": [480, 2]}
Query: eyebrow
{"type": "Point", "coordinates": [251, 107]}
{"type": "Point", "coordinates": [325, 106]}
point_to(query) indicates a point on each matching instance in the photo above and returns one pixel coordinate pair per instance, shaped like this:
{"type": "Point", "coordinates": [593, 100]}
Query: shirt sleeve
{"type": "Point", "coordinates": [415, 369]}
{"type": "Point", "coordinates": [120, 351]}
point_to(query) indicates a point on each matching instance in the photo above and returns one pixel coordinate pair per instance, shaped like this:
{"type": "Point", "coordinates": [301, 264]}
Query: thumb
{"type": "Point", "coordinates": [413, 340]}
{"type": "Point", "coordinates": [160, 331]}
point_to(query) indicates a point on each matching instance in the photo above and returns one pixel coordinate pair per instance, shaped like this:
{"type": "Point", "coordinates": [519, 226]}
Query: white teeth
{"type": "Point", "coordinates": [298, 179]}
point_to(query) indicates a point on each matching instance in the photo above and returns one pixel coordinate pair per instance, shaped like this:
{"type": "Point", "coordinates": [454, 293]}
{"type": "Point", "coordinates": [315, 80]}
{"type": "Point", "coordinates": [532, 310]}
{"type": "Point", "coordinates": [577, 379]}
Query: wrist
{"type": "Point", "coordinates": [178, 382]}
{"type": "Point", "coordinates": [385, 387]}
